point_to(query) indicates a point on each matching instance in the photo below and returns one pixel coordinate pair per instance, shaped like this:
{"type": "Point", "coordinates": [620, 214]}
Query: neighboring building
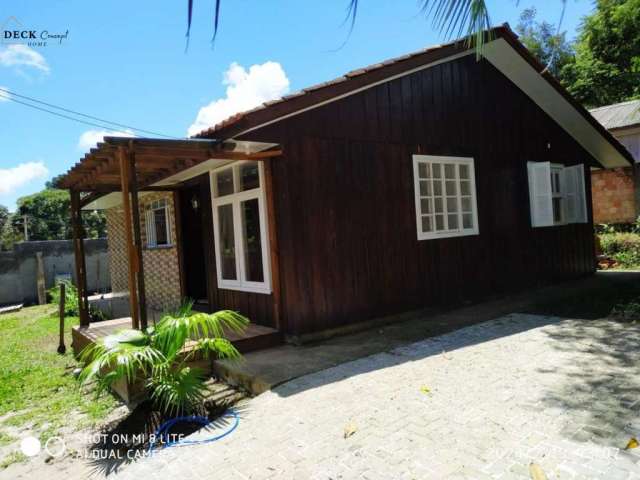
{"type": "Point", "coordinates": [427, 180]}
{"type": "Point", "coordinates": [616, 192]}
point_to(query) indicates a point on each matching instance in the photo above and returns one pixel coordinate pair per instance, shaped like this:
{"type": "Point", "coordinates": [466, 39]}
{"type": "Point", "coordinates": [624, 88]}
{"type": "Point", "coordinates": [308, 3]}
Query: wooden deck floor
{"type": "Point", "coordinates": [255, 337]}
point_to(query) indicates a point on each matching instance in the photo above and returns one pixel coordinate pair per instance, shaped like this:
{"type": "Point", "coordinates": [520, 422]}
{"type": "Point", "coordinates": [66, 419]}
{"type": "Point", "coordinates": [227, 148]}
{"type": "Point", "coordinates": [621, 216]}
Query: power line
{"type": "Point", "coordinates": [9, 94]}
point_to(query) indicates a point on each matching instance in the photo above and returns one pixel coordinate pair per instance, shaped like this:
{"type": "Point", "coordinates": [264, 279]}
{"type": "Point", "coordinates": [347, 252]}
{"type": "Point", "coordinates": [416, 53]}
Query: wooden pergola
{"type": "Point", "coordinates": [131, 165]}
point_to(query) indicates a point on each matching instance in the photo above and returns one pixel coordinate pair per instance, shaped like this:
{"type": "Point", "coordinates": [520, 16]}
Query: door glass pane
{"type": "Point", "coordinates": [227, 243]}
{"type": "Point", "coordinates": [452, 204]}
{"type": "Point", "coordinates": [224, 182]}
{"type": "Point", "coordinates": [249, 176]}
{"type": "Point", "coordinates": [464, 171]}
{"type": "Point", "coordinates": [453, 222]}
{"type": "Point", "coordinates": [467, 220]}
{"type": "Point", "coordinates": [252, 240]}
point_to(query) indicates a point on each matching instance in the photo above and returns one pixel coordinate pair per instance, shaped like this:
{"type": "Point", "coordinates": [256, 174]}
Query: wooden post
{"type": "Point", "coordinates": [273, 242]}
{"type": "Point", "coordinates": [142, 299]}
{"type": "Point", "coordinates": [40, 280]}
{"type": "Point", "coordinates": [61, 309]}
{"type": "Point", "coordinates": [131, 249]}
{"type": "Point", "coordinates": [78, 249]}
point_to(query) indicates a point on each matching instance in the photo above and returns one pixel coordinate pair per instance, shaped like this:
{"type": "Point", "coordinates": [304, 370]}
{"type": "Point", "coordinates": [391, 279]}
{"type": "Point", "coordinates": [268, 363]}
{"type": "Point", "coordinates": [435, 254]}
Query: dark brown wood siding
{"type": "Point", "coordinates": [344, 198]}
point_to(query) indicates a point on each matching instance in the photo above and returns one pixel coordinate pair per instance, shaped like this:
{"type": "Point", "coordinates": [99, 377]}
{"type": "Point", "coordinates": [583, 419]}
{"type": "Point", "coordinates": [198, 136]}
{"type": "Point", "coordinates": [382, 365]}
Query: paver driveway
{"type": "Point", "coordinates": [481, 402]}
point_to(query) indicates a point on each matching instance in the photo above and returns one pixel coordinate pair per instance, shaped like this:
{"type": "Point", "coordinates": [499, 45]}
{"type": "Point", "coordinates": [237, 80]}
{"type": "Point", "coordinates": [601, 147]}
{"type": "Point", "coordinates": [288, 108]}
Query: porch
{"type": "Point", "coordinates": [127, 173]}
{"type": "Point", "coordinates": [255, 337]}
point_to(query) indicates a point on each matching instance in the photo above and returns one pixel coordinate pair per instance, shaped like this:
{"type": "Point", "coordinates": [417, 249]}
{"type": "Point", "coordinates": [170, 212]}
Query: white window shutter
{"type": "Point", "coordinates": [150, 228]}
{"type": "Point", "coordinates": [581, 197]}
{"type": "Point", "coordinates": [570, 191]}
{"type": "Point", "coordinates": [540, 194]}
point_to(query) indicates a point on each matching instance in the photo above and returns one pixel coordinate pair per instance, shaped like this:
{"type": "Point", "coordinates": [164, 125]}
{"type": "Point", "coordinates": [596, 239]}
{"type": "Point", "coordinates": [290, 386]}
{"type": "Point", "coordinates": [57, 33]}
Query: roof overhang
{"type": "Point", "coordinates": [158, 164]}
{"type": "Point", "coordinates": [553, 99]}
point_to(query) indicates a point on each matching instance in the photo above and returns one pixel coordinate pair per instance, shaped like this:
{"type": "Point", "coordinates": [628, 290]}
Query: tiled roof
{"type": "Point", "coordinates": [618, 115]}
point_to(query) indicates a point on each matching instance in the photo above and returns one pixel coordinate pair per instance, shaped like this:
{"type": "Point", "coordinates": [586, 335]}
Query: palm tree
{"type": "Point", "coordinates": [453, 18]}
{"type": "Point", "coordinates": [158, 356]}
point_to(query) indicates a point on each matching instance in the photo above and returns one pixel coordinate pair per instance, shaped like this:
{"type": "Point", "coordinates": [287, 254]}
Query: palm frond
{"type": "Point", "coordinates": [453, 18]}
{"type": "Point", "coordinates": [460, 18]}
{"type": "Point", "coordinates": [216, 21]}
{"type": "Point", "coordinates": [177, 391]}
{"type": "Point", "coordinates": [220, 348]}
{"type": "Point", "coordinates": [126, 354]}
{"type": "Point", "coordinates": [173, 331]}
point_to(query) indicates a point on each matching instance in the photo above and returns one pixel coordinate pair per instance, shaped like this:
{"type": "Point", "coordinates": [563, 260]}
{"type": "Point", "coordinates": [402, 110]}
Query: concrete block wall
{"type": "Point", "coordinates": [18, 269]}
{"type": "Point", "coordinates": [613, 195]}
{"type": "Point", "coordinates": [161, 265]}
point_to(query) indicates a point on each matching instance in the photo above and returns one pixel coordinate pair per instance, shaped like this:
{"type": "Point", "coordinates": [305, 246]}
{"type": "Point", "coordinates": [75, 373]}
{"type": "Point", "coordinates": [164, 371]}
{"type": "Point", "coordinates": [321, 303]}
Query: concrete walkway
{"type": "Point", "coordinates": [265, 369]}
{"type": "Point", "coordinates": [484, 401]}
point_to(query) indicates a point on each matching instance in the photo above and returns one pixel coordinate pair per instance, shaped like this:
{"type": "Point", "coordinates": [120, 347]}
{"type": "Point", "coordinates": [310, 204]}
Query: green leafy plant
{"type": "Point", "coordinates": [160, 356]}
{"type": "Point", "coordinates": [70, 297]}
{"type": "Point", "coordinates": [624, 248]}
{"type": "Point", "coordinates": [71, 301]}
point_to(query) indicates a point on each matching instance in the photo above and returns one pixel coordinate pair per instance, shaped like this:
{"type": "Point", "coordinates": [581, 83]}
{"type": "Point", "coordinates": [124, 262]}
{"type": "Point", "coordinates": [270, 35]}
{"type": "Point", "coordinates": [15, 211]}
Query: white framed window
{"type": "Point", "coordinates": [445, 195]}
{"type": "Point", "coordinates": [240, 227]}
{"type": "Point", "coordinates": [158, 227]}
{"type": "Point", "coordinates": [556, 194]}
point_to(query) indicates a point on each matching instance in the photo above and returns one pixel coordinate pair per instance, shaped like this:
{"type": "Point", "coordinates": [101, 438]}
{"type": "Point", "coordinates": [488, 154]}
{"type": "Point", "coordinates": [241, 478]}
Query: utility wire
{"type": "Point", "coordinates": [9, 94]}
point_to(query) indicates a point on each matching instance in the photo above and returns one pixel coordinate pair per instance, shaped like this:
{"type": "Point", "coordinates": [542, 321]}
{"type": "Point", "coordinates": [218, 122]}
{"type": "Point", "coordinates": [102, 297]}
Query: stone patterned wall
{"type": "Point", "coordinates": [613, 195]}
{"type": "Point", "coordinates": [161, 267]}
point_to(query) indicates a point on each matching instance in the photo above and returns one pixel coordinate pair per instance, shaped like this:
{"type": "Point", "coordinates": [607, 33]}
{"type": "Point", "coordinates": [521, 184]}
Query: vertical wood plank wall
{"type": "Point", "coordinates": [345, 209]}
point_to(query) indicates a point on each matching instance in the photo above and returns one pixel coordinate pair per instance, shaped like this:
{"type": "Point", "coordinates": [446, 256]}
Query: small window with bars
{"type": "Point", "coordinates": [445, 194]}
{"type": "Point", "coordinates": [158, 229]}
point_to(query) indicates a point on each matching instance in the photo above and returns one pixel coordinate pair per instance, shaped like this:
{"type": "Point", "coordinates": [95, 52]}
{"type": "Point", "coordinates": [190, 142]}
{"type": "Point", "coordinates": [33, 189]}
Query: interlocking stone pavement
{"type": "Point", "coordinates": [481, 402]}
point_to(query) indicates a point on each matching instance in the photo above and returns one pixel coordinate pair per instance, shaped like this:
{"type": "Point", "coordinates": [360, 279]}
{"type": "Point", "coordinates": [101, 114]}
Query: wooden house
{"type": "Point", "coordinates": [431, 179]}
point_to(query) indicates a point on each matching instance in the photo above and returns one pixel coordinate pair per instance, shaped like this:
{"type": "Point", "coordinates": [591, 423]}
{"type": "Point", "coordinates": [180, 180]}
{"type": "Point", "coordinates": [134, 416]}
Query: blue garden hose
{"type": "Point", "coordinates": [204, 421]}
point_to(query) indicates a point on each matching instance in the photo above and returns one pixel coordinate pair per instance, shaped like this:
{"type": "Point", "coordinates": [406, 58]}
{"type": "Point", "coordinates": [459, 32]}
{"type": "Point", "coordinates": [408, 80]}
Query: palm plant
{"type": "Point", "coordinates": [160, 356]}
{"type": "Point", "coordinates": [453, 18]}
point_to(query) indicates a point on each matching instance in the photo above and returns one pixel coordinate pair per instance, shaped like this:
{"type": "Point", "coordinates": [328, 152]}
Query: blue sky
{"type": "Point", "coordinates": [125, 61]}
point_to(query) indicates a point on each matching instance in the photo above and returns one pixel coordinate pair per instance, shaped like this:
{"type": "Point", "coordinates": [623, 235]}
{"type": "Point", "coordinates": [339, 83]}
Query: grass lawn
{"type": "Point", "coordinates": [37, 388]}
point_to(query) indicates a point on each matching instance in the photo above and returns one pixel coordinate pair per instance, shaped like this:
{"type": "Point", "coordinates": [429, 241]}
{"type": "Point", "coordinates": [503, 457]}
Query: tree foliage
{"type": "Point", "coordinates": [48, 218]}
{"type": "Point", "coordinates": [544, 41]}
{"type": "Point", "coordinates": [606, 68]}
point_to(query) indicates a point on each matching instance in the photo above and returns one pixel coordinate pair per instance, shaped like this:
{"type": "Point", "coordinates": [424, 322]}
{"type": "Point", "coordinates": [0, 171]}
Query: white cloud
{"type": "Point", "coordinates": [23, 56]}
{"type": "Point", "coordinates": [245, 90]}
{"type": "Point", "coordinates": [15, 177]}
{"type": "Point", "coordinates": [90, 138]}
{"type": "Point", "coordinates": [4, 95]}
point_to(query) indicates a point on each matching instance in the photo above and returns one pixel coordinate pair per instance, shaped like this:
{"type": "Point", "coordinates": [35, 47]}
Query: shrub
{"type": "Point", "coordinates": [70, 297]}
{"type": "Point", "coordinates": [71, 301]}
{"type": "Point", "coordinates": [624, 248]}
{"type": "Point", "coordinates": [157, 356]}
